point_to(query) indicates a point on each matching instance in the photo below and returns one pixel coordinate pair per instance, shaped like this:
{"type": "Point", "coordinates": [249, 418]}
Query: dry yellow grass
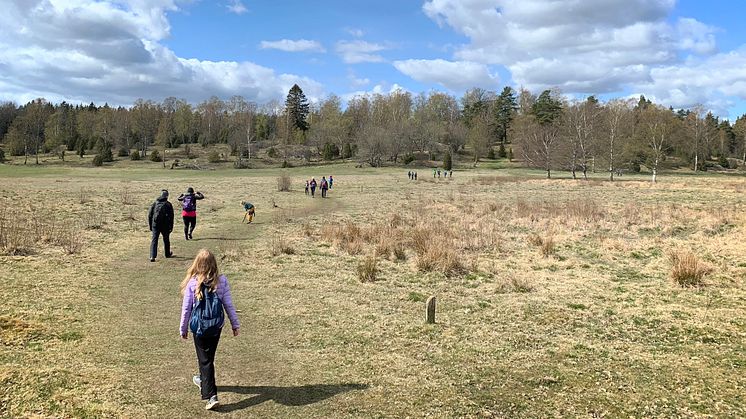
{"type": "Point", "coordinates": [598, 329]}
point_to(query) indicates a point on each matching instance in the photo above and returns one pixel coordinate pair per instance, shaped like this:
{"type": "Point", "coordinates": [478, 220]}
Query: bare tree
{"type": "Point", "coordinates": [658, 125]}
{"type": "Point", "coordinates": [581, 126]}
{"type": "Point", "coordinates": [538, 142]}
{"type": "Point", "coordinates": [617, 120]}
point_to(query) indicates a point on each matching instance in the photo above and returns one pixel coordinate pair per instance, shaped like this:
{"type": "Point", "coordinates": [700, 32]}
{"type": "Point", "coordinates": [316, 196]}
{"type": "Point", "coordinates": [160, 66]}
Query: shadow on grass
{"type": "Point", "coordinates": [234, 239]}
{"type": "Point", "coordinates": [288, 396]}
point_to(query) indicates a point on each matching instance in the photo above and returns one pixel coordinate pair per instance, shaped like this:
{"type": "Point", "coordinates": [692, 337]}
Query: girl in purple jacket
{"type": "Point", "coordinates": [204, 271]}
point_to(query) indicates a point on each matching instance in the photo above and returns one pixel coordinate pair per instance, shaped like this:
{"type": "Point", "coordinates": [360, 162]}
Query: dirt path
{"type": "Point", "coordinates": [256, 376]}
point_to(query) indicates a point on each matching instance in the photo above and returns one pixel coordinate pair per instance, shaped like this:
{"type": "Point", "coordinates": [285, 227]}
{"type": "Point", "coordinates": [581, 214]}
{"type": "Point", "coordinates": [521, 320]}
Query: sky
{"type": "Point", "coordinates": [677, 53]}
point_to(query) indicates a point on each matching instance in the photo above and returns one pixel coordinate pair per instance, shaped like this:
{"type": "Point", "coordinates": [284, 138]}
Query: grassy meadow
{"type": "Point", "coordinates": [556, 298]}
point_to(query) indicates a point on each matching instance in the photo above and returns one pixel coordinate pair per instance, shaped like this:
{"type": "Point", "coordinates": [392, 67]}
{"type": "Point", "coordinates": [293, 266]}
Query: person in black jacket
{"type": "Point", "coordinates": [161, 222]}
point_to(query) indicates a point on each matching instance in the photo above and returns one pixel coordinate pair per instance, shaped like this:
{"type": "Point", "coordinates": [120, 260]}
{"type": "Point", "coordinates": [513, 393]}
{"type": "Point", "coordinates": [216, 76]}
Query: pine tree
{"type": "Point", "coordinates": [505, 109]}
{"type": "Point", "coordinates": [447, 162]}
{"type": "Point", "coordinates": [547, 109]}
{"type": "Point", "coordinates": [297, 108]}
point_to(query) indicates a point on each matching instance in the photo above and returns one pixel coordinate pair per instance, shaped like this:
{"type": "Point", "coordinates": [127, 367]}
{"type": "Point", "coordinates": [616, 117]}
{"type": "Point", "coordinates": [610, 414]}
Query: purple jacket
{"type": "Point", "coordinates": [224, 294]}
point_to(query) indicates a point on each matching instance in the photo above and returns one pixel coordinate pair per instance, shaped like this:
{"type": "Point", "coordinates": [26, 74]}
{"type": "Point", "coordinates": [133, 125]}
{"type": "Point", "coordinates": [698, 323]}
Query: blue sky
{"type": "Point", "coordinates": [679, 53]}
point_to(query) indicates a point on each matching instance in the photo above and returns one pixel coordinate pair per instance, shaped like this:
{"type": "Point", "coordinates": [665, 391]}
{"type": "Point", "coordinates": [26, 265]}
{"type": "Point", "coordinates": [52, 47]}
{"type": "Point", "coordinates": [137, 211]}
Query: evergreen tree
{"type": "Point", "coordinates": [447, 162]}
{"type": "Point", "coordinates": [505, 109]}
{"type": "Point", "coordinates": [546, 109]}
{"type": "Point", "coordinates": [297, 108]}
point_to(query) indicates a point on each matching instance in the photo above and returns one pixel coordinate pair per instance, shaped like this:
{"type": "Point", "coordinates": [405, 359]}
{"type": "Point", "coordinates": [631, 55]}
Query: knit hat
{"type": "Point", "coordinates": [164, 194]}
{"type": "Point", "coordinates": [190, 190]}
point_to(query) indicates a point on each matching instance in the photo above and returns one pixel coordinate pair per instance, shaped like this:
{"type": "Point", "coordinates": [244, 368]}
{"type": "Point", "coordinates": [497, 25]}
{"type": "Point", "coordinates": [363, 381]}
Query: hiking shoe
{"type": "Point", "coordinates": [170, 255]}
{"type": "Point", "coordinates": [197, 381]}
{"type": "Point", "coordinates": [212, 403]}
{"type": "Point", "coordinates": [152, 259]}
{"type": "Point", "coordinates": [190, 236]}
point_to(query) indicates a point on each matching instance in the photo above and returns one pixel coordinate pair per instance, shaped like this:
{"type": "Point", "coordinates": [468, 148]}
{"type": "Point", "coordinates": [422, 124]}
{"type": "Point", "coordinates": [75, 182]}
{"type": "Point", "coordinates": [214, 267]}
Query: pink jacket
{"type": "Point", "coordinates": [224, 294]}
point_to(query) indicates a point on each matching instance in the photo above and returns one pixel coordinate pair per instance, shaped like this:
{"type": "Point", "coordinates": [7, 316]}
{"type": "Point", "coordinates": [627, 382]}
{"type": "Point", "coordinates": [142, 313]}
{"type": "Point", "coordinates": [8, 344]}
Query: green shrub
{"type": "Point", "coordinates": [409, 158]}
{"type": "Point", "coordinates": [123, 152]}
{"type": "Point", "coordinates": [331, 151]}
{"type": "Point", "coordinates": [135, 155]}
{"type": "Point", "coordinates": [2, 155]}
{"type": "Point", "coordinates": [106, 154]}
{"type": "Point", "coordinates": [285, 164]}
{"type": "Point", "coordinates": [723, 161]}
{"type": "Point", "coordinates": [510, 154]}
{"type": "Point", "coordinates": [272, 153]}
{"type": "Point", "coordinates": [155, 156]}
{"type": "Point", "coordinates": [491, 154]}
{"type": "Point", "coordinates": [98, 160]}
{"type": "Point", "coordinates": [501, 151]}
{"type": "Point", "coordinates": [213, 157]}
{"type": "Point", "coordinates": [347, 151]}
{"type": "Point", "coordinates": [448, 162]}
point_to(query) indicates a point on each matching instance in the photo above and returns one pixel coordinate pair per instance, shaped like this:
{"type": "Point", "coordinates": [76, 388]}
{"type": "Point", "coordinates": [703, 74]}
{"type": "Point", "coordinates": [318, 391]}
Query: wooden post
{"type": "Point", "coordinates": [431, 310]}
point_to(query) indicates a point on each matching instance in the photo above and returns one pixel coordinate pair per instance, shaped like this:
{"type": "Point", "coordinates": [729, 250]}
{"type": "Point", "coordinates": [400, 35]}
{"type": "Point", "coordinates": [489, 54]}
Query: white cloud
{"type": "Point", "coordinates": [83, 50]}
{"type": "Point", "coordinates": [576, 45]}
{"type": "Point", "coordinates": [696, 36]}
{"type": "Point", "coordinates": [355, 81]}
{"type": "Point", "coordinates": [379, 89]}
{"type": "Point", "coordinates": [713, 81]}
{"type": "Point", "coordinates": [357, 33]}
{"type": "Point", "coordinates": [237, 7]}
{"type": "Point", "coordinates": [353, 52]}
{"type": "Point", "coordinates": [453, 75]}
{"type": "Point", "coordinates": [293, 46]}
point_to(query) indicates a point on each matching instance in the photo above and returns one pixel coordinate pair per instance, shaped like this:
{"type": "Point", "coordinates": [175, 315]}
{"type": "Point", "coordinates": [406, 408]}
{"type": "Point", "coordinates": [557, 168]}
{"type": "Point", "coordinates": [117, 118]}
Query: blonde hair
{"type": "Point", "coordinates": [205, 270]}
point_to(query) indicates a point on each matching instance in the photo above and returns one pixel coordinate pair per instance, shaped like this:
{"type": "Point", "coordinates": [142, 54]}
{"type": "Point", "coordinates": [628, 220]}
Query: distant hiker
{"type": "Point", "coordinates": [313, 187]}
{"type": "Point", "coordinates": [438, 173]}
{"type": "Point", "coordinates": [161, 222]}
{"type": "Point", "coordinates": [189, 210]}
{"type": "Point", "coordinates": [450, 174]}
{"type": "Point", "coordinates": [206, 297]}
{"type": "Point", "coordinates": [324, 186]}
{"type": "Point", "coordinates": [331, 181]}
{"type": "Point", "coordinates": [250, 211]}
{"type": "Point", "coordinates": [306, 187]}
{"type": "Point", "coordinates": [410, 175]}
{"type": "Point", "coordinates": [434, 173]}
{"type": "Point", "coordinates": [415, 175]}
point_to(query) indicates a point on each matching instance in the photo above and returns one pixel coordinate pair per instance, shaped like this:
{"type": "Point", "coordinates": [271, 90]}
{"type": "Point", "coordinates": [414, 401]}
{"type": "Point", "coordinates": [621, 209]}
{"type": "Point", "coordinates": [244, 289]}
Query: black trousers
{"type": "Point", "coordinates": [189, 224]}
{"type": "Point", "coordinates": [313, 191]}
{"type": "Point", "coordinates": [323, 193]}
{"type": "Point", "coordinates": [206, 346]}
{"type": "Point", "coordinates": [154, 243]}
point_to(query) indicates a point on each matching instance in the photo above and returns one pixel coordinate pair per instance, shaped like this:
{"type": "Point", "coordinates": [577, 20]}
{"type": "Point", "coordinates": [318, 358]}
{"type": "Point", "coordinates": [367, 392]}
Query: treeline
{"type": "Point", "coordinates": [545, 130]}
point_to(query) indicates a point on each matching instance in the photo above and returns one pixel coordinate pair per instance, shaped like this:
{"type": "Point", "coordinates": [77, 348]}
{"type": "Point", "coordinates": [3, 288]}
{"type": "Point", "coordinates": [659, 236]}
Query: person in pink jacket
{"type": "Point", "coordinates": [200, 287]}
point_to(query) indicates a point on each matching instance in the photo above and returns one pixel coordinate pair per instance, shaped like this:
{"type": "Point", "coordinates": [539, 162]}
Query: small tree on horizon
{"type": "Point", "coordinates": [447, 161]}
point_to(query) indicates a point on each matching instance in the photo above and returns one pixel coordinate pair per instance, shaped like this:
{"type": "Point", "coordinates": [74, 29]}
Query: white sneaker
{"type": "Point", "coordinates": [212, 403]}
{"type": "Point", "coordinates": [197, 381]}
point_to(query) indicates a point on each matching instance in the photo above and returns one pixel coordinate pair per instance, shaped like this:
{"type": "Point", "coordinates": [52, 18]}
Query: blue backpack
{"type": "Point", "coordinates": [189, 203]}
{"type": "Point", "coordinates": [207, 314]}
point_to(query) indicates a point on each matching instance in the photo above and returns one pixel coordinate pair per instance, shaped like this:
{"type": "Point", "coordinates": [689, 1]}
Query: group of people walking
{"type": "Point", "coordinates": [446, 173]}
{"type": "Point", "coordinates": [161, 219]}
{"type": "Point", "coordinates": [206, 294]}
{"type": "Point", "coordinates": [324, 185]}
{"type": "Point", "coordinates": [412, 175]}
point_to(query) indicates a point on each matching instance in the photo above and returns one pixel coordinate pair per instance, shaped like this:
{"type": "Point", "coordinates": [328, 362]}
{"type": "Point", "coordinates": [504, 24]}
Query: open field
{"type": "Point", "coordinates": [555, 298]}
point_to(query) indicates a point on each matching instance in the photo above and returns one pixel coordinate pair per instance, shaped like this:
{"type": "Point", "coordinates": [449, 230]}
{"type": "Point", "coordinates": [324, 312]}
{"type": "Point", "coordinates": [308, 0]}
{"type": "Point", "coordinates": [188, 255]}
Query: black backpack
{"type": "Point", "coordinates": [160, 213]}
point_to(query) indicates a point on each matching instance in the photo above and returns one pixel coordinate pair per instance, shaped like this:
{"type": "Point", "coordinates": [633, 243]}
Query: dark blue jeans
{"type": "Point", "coordinates": [154, 243]}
